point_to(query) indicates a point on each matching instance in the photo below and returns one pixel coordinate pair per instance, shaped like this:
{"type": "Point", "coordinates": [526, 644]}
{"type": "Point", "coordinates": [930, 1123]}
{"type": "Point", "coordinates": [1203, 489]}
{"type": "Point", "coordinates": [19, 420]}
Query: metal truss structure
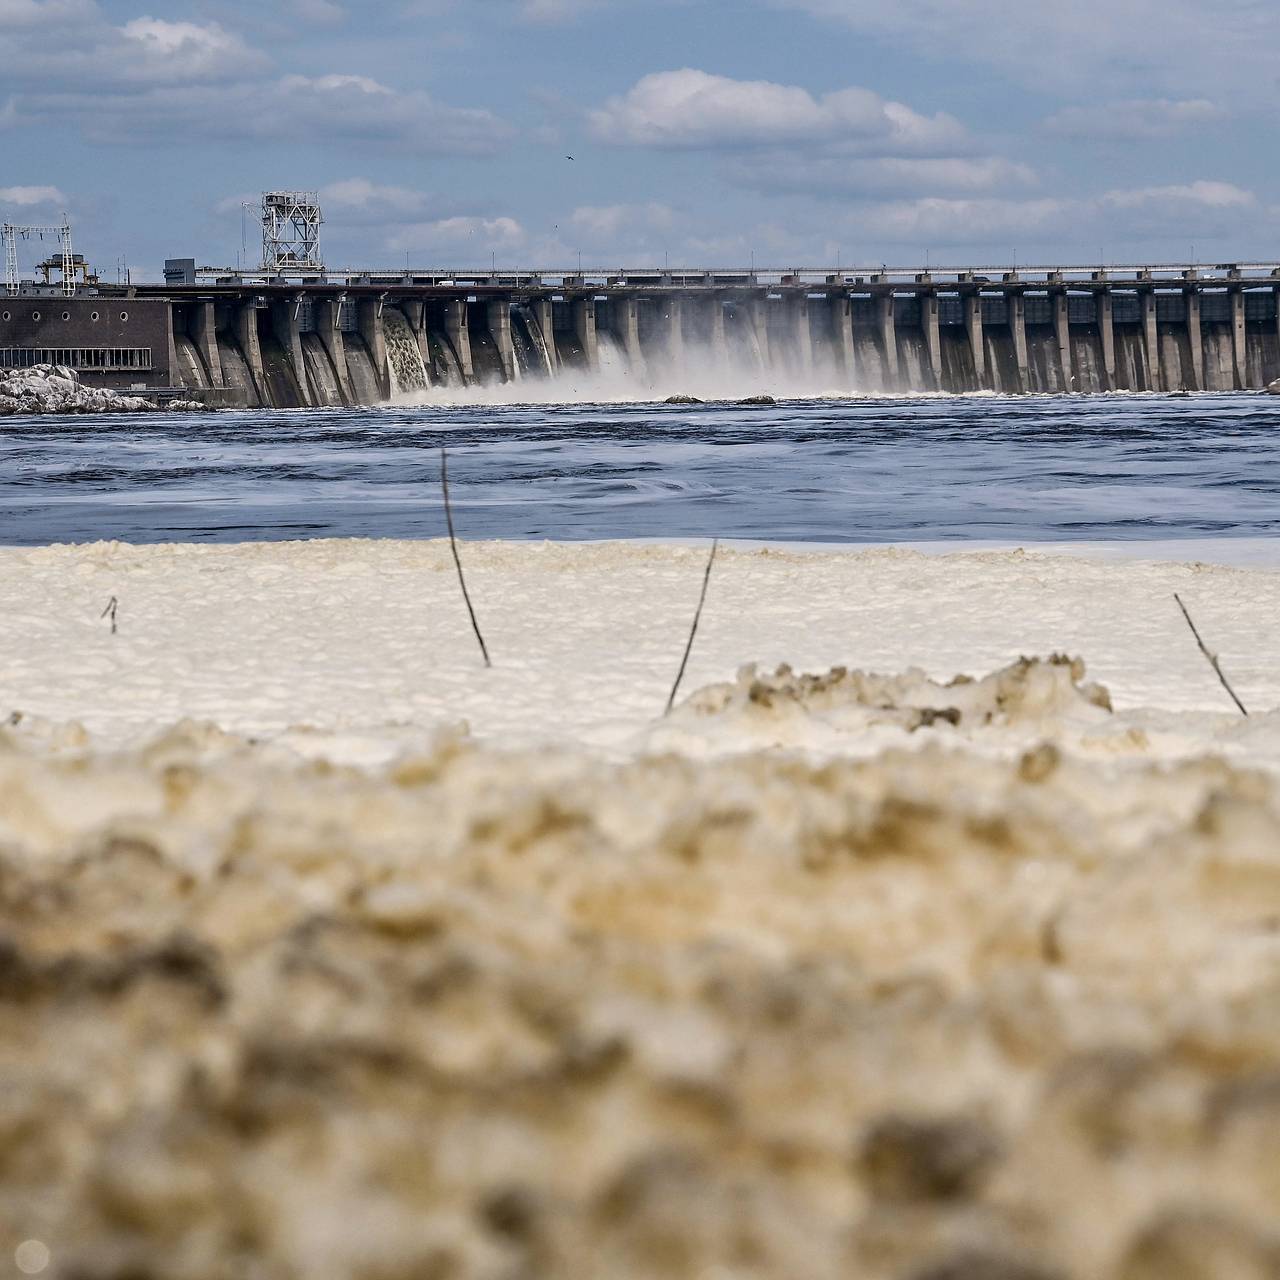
{"type": "Point", "coordinates": [12, 233]}
{"type": "Point", "coordinates": [291, 224]}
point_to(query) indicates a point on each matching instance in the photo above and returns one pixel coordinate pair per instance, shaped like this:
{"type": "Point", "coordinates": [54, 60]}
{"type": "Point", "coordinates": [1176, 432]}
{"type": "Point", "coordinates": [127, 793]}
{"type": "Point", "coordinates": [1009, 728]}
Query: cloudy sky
{"type": "Point", "coordinates": [702, 131]}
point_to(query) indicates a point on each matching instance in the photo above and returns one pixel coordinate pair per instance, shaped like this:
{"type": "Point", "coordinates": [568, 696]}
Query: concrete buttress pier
{"type": "Point", "coordinates": [247, 337]}
{"type": "Point", "coordinates": [1151, 341]}
{"type": "Point", "coordinates": [584, 328]}
{"type": "Point", "coordinates": [499, 317]}
{"type": "Point", "coordinates": [1062, 334]}
{"type": "Point", "coordinates": [757, 318]}
{"type": "Point", "coordinates": [1016, 304]}
{"type": "Point", "coordinates": [842, 330]}
{"type": "Point", "coordinates": [1107, 332]}
{"type": "Point", "coordinates": [284, 324]}
{"type": "Point", "coordinates": [674, 309]}
{"type": "Point", "coordinates": [1238, 340]}
{"type": "Point", "coordinates": [932, 338]}
{"type": "Point", "coordinates": [626, 319]}
{"type": "Point", "coordinates": [459, 336]}
{"type": "Point", "coordinates": [888, 326]}
{"type": "Point", "coordinates": [1195, 340]}
{"type": "Point", "coordinates": [374, 336]}
{"type": "Point", "coordinates": [715, 331]}
{"type": "Point", "coordinates": [801, 333]}
{"type": "Point", "coordinates": [204, 332]}
{"type": "Point", "coordinates": [327, 315]}
{"type": "Point", "coordinates": [544, 318]}
{"type": "Point", "coordinates": [977, 341]}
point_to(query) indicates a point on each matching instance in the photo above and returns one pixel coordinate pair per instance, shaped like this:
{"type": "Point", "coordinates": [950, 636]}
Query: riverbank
{"type": "Point", "coordinates": [326, 951]}
{"type": "Point", "coordinates": [368, 645]}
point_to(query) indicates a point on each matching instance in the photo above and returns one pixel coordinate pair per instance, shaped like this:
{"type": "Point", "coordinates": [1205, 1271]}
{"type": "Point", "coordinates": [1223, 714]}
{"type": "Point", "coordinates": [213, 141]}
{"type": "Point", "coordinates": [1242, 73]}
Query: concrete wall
{"type": "Point", "coordinates": [118, 323]}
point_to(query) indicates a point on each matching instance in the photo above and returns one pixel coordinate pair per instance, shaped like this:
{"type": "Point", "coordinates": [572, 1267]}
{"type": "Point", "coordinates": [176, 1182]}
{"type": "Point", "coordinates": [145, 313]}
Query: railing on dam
{"type": "Point", "coordinates": [1146, 274]}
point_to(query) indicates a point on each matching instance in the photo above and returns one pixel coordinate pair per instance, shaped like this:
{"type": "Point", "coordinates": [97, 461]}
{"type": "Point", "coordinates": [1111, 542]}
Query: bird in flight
{"type": "Point", "coordinates": [568, 157]}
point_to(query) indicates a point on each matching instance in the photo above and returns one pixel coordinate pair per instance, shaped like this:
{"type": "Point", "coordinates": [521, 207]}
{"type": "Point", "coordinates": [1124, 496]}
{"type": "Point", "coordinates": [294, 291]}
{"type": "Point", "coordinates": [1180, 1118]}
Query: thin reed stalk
{"type": "Point", "coordinates": [1211, 657]}
{"type": "Point", "coordinates": [457, 559]}
{"type": "Point", "coordinates": [693, 631]}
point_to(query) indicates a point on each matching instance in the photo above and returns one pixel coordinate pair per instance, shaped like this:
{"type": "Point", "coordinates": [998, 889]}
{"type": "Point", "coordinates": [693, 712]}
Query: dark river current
{"type": "Point", "coordinates": [997, 469]}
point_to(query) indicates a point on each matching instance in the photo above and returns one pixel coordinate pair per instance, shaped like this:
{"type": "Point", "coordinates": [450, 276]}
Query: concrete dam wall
{"type": "Point", "coordinates": [367, 341]}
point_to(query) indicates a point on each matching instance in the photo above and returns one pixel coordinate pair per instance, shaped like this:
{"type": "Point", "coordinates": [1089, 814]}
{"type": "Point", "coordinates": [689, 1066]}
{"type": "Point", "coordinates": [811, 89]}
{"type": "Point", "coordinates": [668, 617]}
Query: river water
{"type": "Point", "coordinates": [995, 469]}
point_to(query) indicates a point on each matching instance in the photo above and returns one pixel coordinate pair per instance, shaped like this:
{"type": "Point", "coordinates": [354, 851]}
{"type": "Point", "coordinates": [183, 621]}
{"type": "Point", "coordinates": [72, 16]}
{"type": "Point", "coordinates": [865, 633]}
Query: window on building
{"type": "Point", "coordinates": [82, 359]}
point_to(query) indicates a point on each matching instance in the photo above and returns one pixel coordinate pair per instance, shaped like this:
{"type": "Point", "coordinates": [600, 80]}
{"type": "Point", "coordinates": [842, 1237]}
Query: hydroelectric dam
{"type": "Point", "coordinates": [362, 338]}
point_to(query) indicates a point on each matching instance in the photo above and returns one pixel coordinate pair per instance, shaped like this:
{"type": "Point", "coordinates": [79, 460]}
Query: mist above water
{"type": "Point", "coordinates": [701, 373]}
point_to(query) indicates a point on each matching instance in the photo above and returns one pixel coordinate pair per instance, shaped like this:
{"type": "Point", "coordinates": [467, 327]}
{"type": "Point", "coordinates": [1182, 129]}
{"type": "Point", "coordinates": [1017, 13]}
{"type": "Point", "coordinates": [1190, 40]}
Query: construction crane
{"type": "Point", "coordinates": [12, 233]}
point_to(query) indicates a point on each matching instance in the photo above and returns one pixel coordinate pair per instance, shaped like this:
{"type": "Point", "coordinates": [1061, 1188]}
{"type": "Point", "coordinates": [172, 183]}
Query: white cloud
{"type": "Point", "coordinates": [605, 224]}
{"type": "Point", "coordinates": [358, 202]}
{"type": "Point", "coordinates": [694, 109]}
{"type": "Point", "coordinates": [292, 108]}
{"type": "Point", "coordinates": [1169, 45]}
{"type": "Point", "coordinates": [777, 137]}
{"type": "Point", "coordinates": [1136, 119]}
{"type": "Point", "coordinates": [44, 13]}
{"type": "Point", "coordinates": [362, 195]}
{"type": "Point", "coordinates": [325, 12]}
{"type": "Point", "coordinates": [555, 10]}
{"type": "Point", "coordinates": [535, 11]}
{"type": "Point", "coordinates": [357, 107]}
{"type": "Point", "coordinates": [70, 47]}
{"type": "Point", "coordinates": [26, 197]}
{"type": "Point", "coordinates": [1129, 215]}
{"type": "Point", "coordinates": [1206, 195]}
{"type": "Point", "coordinates": [470, 236]}
{"type": "Point", "coordinates": [234, 204]}
{"type": "Point", "coordinates": [844, 176]}
{"type": "Point", "coordinates": [936, 220]}
{"type": "Point", "coordinates": [152, 80]}
{"type": "Point", "coordinates": [158, 50]}
{"type": "Point", "coordinates": [356, 86]}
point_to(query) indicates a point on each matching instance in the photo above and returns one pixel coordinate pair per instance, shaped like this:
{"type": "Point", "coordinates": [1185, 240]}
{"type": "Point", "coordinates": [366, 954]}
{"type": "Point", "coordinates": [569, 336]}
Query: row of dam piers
{"type": "Point", "coordinates": [318, 345]}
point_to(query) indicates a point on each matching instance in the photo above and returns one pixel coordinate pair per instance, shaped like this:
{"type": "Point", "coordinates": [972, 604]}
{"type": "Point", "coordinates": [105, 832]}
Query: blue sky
{"type": "Point", "coordinates": [702, 131]}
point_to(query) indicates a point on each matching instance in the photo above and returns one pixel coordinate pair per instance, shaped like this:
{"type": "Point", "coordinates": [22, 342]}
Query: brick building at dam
{"type": "Point", "coordinates": [359, 338]}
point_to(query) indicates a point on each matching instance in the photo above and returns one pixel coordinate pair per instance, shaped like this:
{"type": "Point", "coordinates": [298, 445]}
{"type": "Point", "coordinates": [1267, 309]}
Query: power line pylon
{"type": "Point", "coordinates": [12, 233]}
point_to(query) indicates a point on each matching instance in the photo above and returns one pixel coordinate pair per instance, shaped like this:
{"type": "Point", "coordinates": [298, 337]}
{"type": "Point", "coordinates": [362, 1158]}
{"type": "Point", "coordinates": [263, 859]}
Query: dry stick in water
{"type": "Point", "coordinates": [1213, 658]}
{"type": "Point", "coordinates": [112, 605]}
{"type": "Point", "coordinates": [457, 560]}
{"type": "Point", "coordinates": [693, 631]}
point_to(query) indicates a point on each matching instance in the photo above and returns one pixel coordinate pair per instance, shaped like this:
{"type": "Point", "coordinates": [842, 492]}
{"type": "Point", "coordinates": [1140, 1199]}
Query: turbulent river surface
{"type": "Point", "coordinates": [863, 470]}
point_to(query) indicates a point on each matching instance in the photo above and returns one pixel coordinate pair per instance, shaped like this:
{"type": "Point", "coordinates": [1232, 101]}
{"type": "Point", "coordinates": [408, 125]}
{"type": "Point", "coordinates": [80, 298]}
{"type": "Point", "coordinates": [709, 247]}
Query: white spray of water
{"type": "Point", "coordinates": [404, 357]}
{"type": "Point", "coordinates": [704, 375]}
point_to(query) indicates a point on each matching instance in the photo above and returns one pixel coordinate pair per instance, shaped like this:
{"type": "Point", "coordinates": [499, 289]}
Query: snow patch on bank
{"type": "Point", "coordinates": [540, 1012]}
{"type": "Point", "coordinates": [853, 966]}
{"type": "Point", "coordinates": [52, 389]}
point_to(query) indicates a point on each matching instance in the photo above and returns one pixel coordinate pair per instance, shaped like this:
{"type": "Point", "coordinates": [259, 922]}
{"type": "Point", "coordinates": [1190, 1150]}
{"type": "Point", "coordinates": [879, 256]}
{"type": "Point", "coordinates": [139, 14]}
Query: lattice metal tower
{"type": "Point", "coordinates": [12, 233]}
{"type": "Point", "coordinates": [291, 233]}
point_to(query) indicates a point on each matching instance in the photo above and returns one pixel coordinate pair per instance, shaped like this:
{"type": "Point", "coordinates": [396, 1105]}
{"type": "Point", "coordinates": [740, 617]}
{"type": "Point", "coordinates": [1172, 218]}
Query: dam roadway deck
{"type": "Point", "coordinates": [359, 337]}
